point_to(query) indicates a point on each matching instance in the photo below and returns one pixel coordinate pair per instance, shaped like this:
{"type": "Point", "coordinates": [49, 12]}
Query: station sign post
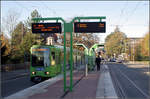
{"type": "Point", "coordinates": [76, 27]}
{"type": "Point", "coordinates": [51, 28]}
{"type": "Point", "coordinates": [84, 27]}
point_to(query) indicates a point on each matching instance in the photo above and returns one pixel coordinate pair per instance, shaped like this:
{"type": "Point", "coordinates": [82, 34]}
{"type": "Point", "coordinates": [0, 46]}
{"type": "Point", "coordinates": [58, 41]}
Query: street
{"type": "Point", "coordinates": [15, 81]}
{"type": "Point", "coordinates": [12, 86]}
{"type": "Point", "coordinates": [130, 82]}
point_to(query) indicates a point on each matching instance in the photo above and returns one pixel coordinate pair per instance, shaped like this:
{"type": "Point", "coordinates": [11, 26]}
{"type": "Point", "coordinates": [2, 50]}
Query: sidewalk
{"type": "Point", "coordinates": [55, 91]}
{"type": "Point", "coordinates": [86, 88]}
{"type": "Point", "coordinates": [97, 84]}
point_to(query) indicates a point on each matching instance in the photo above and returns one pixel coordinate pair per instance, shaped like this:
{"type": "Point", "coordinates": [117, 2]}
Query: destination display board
{"type": "Point", "coordinates": [40, 49]}
{"type": "Point", "coordinates": [46, 28]}
{"type": "Point", "coordinates": [89, 27]}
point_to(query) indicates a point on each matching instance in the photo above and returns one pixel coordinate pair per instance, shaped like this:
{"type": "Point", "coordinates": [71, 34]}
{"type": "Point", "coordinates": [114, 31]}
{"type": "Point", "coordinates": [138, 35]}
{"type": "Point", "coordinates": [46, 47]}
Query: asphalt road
{"type": "Point", "coordinates": [12, 86]}
{"type": "Point", "coordinates": [133, 82]}
{"type": "Point", "coordinates": [15, 81]}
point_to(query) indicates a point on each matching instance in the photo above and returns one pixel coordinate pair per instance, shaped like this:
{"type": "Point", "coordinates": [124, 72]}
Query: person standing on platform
{"type": "Point", "coordinates": [98, 62]}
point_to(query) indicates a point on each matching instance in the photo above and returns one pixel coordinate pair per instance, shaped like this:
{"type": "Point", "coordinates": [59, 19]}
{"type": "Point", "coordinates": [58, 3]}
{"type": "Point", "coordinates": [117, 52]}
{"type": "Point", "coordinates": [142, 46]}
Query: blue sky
{"type": "Point", "coordinates": [131, 16]}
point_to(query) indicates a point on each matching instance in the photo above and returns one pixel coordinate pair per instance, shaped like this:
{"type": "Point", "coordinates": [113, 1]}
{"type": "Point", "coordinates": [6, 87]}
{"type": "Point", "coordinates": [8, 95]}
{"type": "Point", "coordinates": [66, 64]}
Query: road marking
{"type": "Point", "coordinates": [134, 84]}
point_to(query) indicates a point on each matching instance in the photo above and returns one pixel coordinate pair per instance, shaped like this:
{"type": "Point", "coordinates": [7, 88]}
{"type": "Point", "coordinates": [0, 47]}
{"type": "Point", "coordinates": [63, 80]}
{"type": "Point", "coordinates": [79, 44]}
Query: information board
{"type": "Point", "coordinates": [89, 27]}
{"type": "Point", "coordinates": [46, 28]}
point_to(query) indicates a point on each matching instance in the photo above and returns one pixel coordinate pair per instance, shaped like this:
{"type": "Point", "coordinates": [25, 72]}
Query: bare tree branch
{"type": "Point", "coordinates": [10, 21]}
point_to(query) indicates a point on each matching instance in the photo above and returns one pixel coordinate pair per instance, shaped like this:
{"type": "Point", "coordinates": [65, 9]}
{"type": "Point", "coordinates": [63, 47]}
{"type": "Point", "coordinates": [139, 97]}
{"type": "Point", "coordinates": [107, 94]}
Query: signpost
{"type": "Point", "coordinates": [36, 20]}
{"type": "Point", "coordinates": [84, 27]}
{"type": "Point", "coordinates": [77, 27]}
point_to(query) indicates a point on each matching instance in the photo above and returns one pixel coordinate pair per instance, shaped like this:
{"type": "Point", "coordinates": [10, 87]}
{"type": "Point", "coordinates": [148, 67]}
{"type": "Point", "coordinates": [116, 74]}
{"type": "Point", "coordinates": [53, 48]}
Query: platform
{"type": "Point", "coordinates": [97, 84]}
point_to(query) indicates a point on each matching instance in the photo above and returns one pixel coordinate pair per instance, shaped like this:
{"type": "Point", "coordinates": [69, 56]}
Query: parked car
{"type": "Point", "coordinates": [112, 60]}
{"type": "Point", "coordinates": [119, 61]}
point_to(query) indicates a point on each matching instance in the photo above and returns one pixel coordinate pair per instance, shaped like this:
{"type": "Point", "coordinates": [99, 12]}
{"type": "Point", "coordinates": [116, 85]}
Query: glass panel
{"type": "Point", "coordinates": [40, 57]}
{"type": "Point", "coordinates": [46, 58]}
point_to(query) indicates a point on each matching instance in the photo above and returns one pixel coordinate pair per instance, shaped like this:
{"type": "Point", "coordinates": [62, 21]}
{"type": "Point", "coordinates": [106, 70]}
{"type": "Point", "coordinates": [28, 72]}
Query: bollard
{"type": "Point", "coordinates": [86, 70]}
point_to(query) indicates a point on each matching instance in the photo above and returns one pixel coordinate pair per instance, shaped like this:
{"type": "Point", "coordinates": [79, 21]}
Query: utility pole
{"type": "Point", "coordinates": [22, 40]}
{"type": "Point", "coordinates": [133, 50]}
{"type": "Point", "coordinates": [22, 31]}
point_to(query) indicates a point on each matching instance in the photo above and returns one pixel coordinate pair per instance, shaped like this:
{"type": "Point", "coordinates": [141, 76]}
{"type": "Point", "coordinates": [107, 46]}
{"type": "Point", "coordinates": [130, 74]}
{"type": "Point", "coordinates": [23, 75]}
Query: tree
{"type": "Point", "coordinates": [145, 45]}
{"type": "Point", "coordinates": [137, 53]}
{"type": "Point", "coordinates": [17, 38]}
{"type": "Point", "coordinates": [34, 14]}
{"type": "Point", "coordinates": [87, 39]}
{"type": "Point", "coordinates": [28, 40]}
{"type": "Point", "coordinates": [142, 49]}
{"type": "Point", "coordinates": [5, 48]}
{"type": "Point", "coordinates": [115, 43]}
{"type": "Point", "coordinates": [17, 35]}
{"type": "Point", "coordinates": [10, 21]}
{"type": "Point", "coordinates": [23, 39]}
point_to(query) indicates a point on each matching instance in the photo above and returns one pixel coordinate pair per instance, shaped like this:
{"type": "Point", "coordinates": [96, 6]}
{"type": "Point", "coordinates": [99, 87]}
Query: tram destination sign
{"type": "Point", "coordinates": [89, 27]}
{"type": "Point", "coordinates": [46, 28]}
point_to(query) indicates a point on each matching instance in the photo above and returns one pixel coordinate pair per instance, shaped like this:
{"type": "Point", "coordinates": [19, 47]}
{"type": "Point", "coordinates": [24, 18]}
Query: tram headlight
{"type": "Point", "coordinates": [33, 73]}
{"type": "Point", "coordinates": [47, 73]}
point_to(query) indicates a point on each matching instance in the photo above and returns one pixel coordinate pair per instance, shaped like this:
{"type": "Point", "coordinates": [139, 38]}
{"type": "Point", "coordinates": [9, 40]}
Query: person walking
{"type": "Point", "coordinates": [98, 62]}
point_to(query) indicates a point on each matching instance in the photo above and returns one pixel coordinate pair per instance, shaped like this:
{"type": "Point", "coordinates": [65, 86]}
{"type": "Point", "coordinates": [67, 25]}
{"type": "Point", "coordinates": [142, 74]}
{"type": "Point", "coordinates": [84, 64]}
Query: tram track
{"type": "Point", "coordinates": [119, 87]}
{"type": "Point", "coordinates": [135, 86]}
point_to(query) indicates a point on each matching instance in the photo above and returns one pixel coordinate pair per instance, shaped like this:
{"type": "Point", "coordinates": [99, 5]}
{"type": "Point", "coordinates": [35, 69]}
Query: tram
{"type": "Point", "coordinates": [47, 61]}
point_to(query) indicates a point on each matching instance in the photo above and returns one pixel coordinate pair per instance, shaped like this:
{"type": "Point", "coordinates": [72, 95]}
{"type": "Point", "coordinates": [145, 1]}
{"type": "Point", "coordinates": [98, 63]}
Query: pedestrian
{"type": "Point", "coordinates": [98, 62]}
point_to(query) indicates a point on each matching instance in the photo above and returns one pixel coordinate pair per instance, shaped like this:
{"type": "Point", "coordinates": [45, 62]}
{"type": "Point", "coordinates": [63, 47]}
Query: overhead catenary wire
{"type": "Point", "coordinates": [53, 11]}
{"type": "Point", "coordinates": [22, 6]}
{"type": "Point", "coordinates": [122, 11]}
{"type": "Point", "coordinates": [131, 13]}
{"type": "Point", "coordinates": [125, 21]}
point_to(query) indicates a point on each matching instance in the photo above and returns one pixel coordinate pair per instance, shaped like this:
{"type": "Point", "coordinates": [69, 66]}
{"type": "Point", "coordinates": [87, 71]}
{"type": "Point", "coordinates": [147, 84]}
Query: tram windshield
{"type": "Point", "coordinates": [40, 57]}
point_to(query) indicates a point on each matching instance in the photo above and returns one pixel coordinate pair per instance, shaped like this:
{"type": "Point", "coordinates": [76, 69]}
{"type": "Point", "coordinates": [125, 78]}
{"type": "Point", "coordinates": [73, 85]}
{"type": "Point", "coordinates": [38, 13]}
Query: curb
{"type": "Point", "coordinates": [105, 89]}
{"type": "Point", "coordinates": [38, 88]}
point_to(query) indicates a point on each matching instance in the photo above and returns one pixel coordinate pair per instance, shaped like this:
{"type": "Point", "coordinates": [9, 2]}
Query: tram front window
{"type": "Point", "coordinates": [40, 57]}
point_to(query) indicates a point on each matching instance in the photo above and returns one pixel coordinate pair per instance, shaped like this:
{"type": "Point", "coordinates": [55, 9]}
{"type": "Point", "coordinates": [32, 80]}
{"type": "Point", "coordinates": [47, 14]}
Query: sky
{"type": "Point", "coordinates": [132, 17]}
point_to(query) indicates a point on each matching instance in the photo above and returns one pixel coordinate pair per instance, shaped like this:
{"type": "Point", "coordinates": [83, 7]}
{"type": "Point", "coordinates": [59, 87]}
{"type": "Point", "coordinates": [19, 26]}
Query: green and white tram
{"type": "Point", "coordinates": [47, 61]}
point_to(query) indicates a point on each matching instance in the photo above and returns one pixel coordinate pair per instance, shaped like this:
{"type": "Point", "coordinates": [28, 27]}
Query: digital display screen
{"type": "Point", "coordinates": [89, 27]}
{"type": "Point", "coordinates": [46, 28]}
{"type": "Point", "coordinates": [40, 49]}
